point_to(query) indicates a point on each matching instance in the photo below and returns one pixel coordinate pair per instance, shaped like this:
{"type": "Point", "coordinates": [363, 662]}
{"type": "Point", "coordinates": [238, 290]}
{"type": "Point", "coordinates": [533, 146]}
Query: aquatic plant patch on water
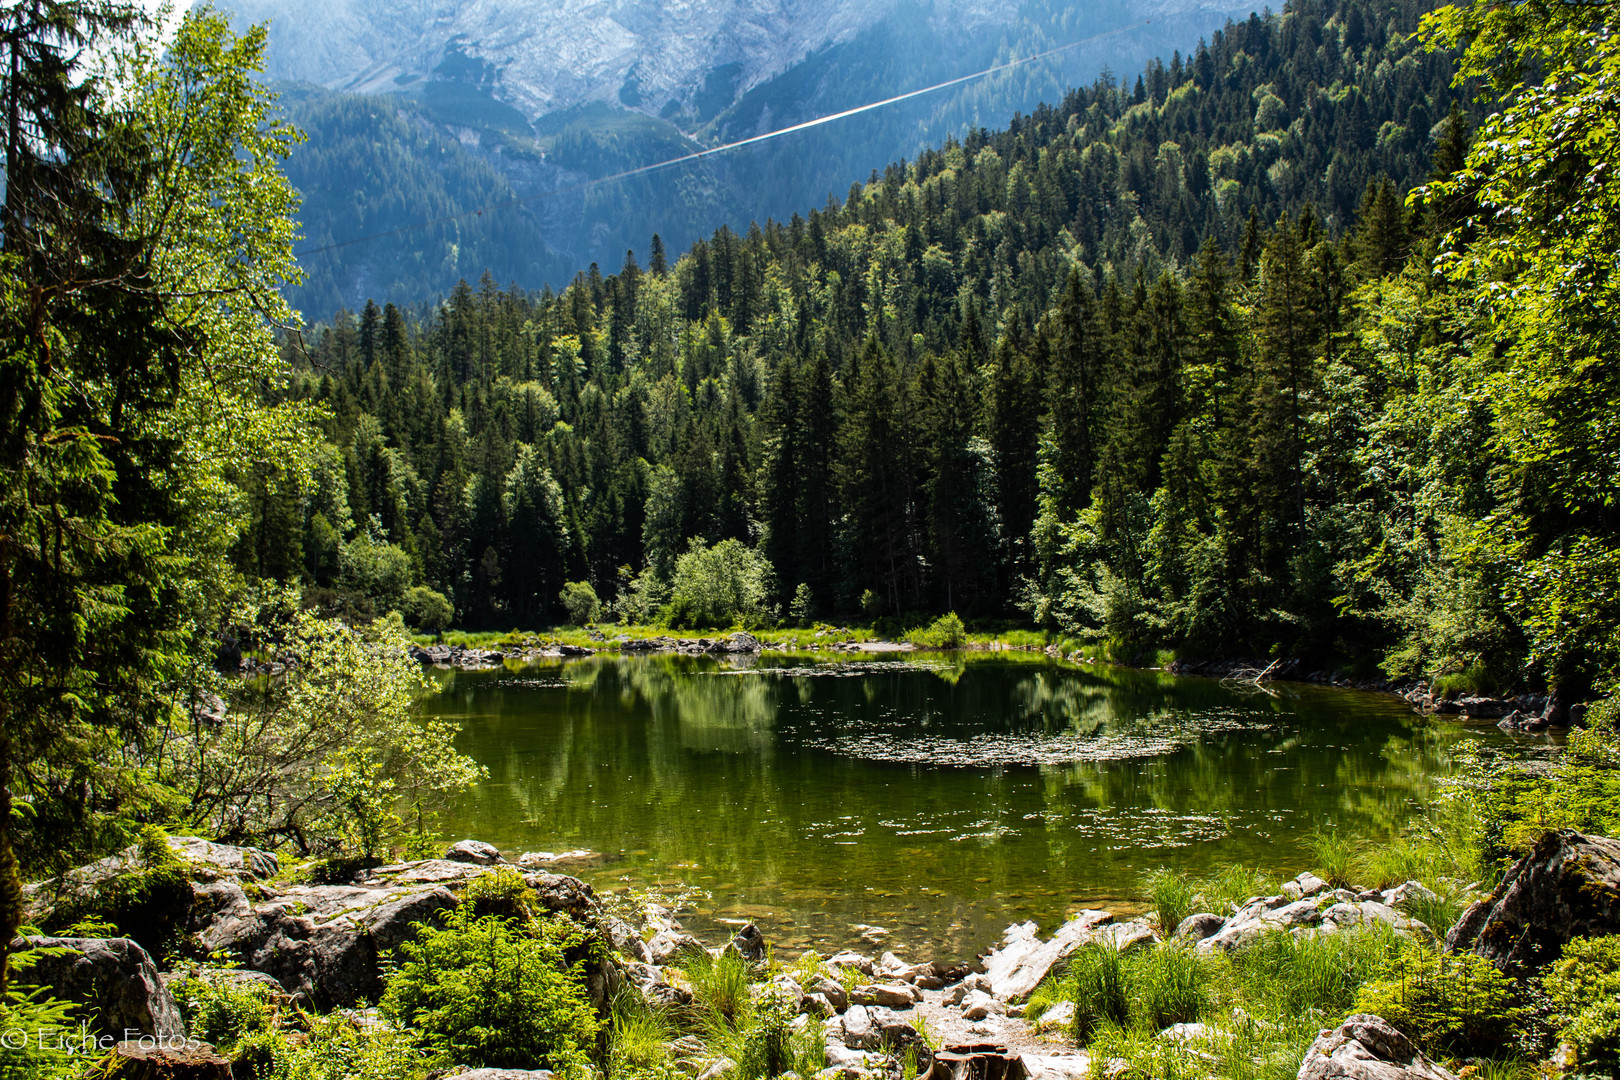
{"type": "Point", "coordinates": [1149, 739]}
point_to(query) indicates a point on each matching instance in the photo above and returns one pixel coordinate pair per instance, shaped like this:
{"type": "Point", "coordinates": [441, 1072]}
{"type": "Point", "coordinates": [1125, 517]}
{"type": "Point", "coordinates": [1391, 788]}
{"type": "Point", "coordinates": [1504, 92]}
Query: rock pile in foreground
{"type": "Point", "coordinates": [320, 944]}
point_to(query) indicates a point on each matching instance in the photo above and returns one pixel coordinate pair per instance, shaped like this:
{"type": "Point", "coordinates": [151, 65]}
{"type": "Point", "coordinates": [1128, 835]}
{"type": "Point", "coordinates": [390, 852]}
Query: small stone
{"type": "Point", "coordinates": [1060, 1015]}
{"type": "Point", "coordinates": [862, 964]}
{"type": "Point", "coordinates": [719, 1070]}
{"type": "Point", "coordinates": [978, 1005]}
{"type": "Point", "coordinates": [830, 989]}
{"type": "Point", "coordinates": [1304, 886]}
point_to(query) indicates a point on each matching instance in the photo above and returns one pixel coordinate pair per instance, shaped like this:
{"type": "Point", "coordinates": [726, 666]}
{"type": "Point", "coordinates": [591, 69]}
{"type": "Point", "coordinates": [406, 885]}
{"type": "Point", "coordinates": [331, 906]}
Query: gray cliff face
{"type": "Point", "coordinates": [549, 55]}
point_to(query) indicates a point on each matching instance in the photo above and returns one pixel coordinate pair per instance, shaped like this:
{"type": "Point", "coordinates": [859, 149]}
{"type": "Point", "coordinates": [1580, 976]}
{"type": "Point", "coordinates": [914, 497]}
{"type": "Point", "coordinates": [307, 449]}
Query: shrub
{"type": "Point", "coordinates": [802, 611]}
{"type": "Point", "coordinates": [222, 1011]}
{"type": "Point", "coordinates": [720, 585]}
{"type": "Point", "coordinates": [481, 991]}
{"type": "Point", "coordinates": [579, 600]}
{"type": "Point", "coordinates": [945, 632]}
{"type": "Point", "coordinates": [1458, 1005]}
{"type": "Point", "coordinates": [51, 1024]}
{"type": "Point", "coordinates": [1583, 988]}
{"type": "Point", "coordinates": [640, 596]}
{"type": "Point", "coordinates": [504, 894]}
{"type": "Point", "coordinates": [767, 1043]}
{"type": "Point", "coordinates": [427, 611]}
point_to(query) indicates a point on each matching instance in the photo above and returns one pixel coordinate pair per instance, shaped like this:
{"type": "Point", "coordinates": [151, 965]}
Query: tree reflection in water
{"type": "Point", "coordinates": [940, 798]}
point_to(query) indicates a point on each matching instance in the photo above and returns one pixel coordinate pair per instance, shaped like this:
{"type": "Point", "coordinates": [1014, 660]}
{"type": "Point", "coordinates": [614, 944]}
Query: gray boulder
{"type": "Point", "coordinates": [626, 939]}
{"type": "Point", "coordinates": [1364, 1047]}
{"type": "Point", "coordinates": [1567, 887]}
{"type": "Point", "coordinates": [561, 894]}
{"type": "Point", "coordinates": [666, 945]}
{"type": "Point", "coordinates": [474, 851]}
{"type": "Point", "coordinates": [1304, 886]}
{"type": "Point", "coordinates": [858, 1030]}
{"type": "Point", "coordinates": [505, 1074]}
{"type": "Point", "coordinates": [113, 976]}
{"type": "Point", "coordinates": [1022, 960]}
{"type": "Point", "coordinates": [322, 942]}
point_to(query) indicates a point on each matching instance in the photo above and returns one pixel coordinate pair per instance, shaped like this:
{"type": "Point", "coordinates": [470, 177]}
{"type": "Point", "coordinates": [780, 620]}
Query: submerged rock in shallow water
{"type": "Point", "coordinates": [474, 851]}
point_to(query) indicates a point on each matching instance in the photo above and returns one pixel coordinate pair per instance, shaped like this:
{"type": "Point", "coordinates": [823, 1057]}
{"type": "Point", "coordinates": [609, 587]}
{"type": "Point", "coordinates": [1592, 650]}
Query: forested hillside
{"type": "Point", "coordinates": [1148, 366]}
{"type": "Point", "coordinates": [543, 124]}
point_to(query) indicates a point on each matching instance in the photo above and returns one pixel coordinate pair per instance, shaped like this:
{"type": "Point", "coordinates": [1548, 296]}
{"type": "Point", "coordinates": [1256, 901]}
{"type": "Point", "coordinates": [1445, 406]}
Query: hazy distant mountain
{"type": "Point", "coordinates": [552, 54]}
{"type": "Point", "coordinates": [506, 100]}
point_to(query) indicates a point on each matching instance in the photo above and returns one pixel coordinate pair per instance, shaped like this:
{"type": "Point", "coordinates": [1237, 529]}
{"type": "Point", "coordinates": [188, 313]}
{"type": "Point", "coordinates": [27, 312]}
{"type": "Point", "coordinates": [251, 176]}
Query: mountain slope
{"type": "Point", "coordinates": [549, 106]}
{"type": "Point", "coordinates": [909, 399]}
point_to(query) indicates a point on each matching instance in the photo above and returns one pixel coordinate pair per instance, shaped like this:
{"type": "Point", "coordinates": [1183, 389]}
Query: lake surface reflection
{"type": "Point", "coordinates": [938, 798]}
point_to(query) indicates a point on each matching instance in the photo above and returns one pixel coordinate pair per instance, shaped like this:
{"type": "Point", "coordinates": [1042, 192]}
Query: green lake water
{"type": "Point", "coordinates": [938, 798]}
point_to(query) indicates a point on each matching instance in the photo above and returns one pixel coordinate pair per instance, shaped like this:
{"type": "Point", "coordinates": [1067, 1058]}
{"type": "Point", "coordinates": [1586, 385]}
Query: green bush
{"type": "Point", "coordinates": [51, 1024]}
{"type": "Point", "coordinates": [1583, 790]}
{"type": "Point", "coordinates": [484, 991]}
{"type": "Point", "coordinates": [945, 632]}
{"type": "Point", "coordinates": [1583, 988]}
{"type": "Point", "coordinates": [504, 894]}
{"type": "Point", "coordinates": [426, 611]}
{"type": "Point", "coordinates": [718, 586]}
{"type": "Point", "coordinates": [767, 1045]}
{"type": "Point", "coordinates": [802, 611]}
{"type": "Point", "coordinates": [1457, 1005]}
{"type": "Point", "coordinates": [578, 598]}
{"type": "Point", "coordinates": [222, 1011]}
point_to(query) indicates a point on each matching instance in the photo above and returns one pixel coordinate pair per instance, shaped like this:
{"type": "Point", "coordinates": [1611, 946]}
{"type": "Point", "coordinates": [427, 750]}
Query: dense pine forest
{"type": "Point", "coordinates": [1126, 368]}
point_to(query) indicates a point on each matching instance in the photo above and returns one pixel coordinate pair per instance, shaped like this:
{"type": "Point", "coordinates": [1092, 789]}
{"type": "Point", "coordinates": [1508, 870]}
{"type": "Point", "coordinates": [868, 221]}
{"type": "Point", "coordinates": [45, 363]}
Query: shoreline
{"type": "Point", "coordinates": [1525, 712]}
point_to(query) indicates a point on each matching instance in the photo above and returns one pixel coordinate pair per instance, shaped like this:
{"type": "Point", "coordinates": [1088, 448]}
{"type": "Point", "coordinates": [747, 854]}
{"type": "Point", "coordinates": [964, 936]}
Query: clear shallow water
{"type": "Point", "coordinates": [937, 798]}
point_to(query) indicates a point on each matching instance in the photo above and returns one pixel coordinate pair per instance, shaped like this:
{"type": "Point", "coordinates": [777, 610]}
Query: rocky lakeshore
{"type": "Point", "coordinates": [325, 945]}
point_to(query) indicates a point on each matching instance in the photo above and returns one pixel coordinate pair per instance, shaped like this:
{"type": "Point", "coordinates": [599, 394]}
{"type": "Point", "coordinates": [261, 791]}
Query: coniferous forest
{"type": "Point", "coordinates": [1302, 345]}
{"type": "Point", "coordinates": [1162, 365]}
